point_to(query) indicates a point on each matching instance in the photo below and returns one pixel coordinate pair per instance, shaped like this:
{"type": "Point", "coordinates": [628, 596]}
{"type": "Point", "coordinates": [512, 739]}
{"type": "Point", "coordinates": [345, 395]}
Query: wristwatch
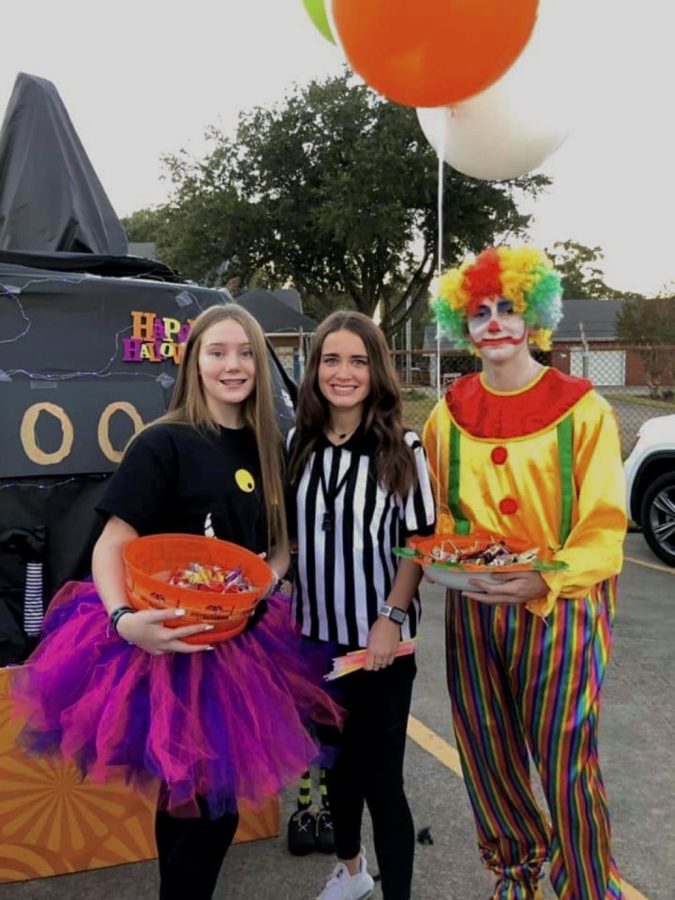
{"type": "Point", "coordinates": [396, 615]}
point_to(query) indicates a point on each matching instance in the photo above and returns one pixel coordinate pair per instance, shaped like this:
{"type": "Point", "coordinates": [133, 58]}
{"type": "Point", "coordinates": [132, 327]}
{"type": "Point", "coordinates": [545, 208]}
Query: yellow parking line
{"type": "Point", "coordinates": [649, 565]}
{"type": "Point", "coordinates": [631, 893]}
{"type": "Point", "coordinates": [447, 755]}
{"type": "Point", "coordinates": [435, 745]}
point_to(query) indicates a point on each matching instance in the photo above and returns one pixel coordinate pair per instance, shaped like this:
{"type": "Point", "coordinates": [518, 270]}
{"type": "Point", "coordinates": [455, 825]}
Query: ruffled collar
{"type": "Point", "coordinates": [495, 415]}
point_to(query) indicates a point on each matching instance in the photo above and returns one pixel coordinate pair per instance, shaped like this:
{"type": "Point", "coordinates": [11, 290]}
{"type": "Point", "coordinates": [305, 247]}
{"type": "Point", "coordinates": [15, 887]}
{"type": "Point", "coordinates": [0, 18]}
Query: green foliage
{"type": "Point", "coordinates": [318, 308]}
{"type": "Point", "coordinates": [648, 321]}
{"type": "Point", "coordinates": [335, 192]}
{"type": "Point", "coordinates": [144, 225]}
{"type": "Point", "coordinates": [580, 268]}
{"type": "Point", "coordinates": [650, 324]}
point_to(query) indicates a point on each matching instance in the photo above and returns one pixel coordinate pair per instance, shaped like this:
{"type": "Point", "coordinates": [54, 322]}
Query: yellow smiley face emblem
{"type": "Point", "coordinates": [245, 481]}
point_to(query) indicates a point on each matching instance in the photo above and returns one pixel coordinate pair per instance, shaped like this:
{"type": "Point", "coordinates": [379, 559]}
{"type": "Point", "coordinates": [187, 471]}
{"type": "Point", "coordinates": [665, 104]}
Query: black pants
{"type": "Point", "coordinates": [191, 852]}
{"type": "Point", "coordinates": [369, 767]}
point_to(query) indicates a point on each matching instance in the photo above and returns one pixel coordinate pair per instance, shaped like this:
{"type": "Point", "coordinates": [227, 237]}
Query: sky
{"type": "Point", "coordinates": [145, 78]}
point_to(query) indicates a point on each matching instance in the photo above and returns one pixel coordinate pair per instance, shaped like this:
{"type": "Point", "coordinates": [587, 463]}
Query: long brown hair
{"type": "Point", "coordinates": [383, 413]}
{"type": "Point", "coordinates": [189, 407]}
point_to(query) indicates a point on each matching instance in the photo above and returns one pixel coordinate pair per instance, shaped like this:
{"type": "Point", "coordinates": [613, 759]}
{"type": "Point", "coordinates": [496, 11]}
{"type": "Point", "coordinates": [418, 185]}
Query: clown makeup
{"type": "Point", "coordinates": [496, 330]}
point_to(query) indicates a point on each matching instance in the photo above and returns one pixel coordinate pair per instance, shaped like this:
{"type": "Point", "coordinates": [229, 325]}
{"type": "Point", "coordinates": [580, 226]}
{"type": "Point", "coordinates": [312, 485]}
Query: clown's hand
{"type": "Point", "coordinates": [519, 587]}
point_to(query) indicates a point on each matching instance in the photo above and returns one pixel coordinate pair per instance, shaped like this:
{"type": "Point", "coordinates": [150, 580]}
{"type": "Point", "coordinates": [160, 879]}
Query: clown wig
{"type": "Point", "coordinates": [523, 275]}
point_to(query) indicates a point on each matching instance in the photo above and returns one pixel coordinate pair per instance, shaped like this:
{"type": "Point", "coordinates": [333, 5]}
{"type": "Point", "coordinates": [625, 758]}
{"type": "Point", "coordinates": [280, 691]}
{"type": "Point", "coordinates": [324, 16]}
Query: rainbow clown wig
{"type": "Point", "coordinates": [523, 275]}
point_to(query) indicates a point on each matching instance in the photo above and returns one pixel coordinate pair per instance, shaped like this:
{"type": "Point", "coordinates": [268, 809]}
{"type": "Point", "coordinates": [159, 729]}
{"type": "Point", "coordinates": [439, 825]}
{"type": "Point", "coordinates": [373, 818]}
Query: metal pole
{"type": "Point", "coordinates": [584, 352]}
{"type": "Point", "coordinates": [408, 343]}
{"type": "Point", "coordinates": [301, 354]}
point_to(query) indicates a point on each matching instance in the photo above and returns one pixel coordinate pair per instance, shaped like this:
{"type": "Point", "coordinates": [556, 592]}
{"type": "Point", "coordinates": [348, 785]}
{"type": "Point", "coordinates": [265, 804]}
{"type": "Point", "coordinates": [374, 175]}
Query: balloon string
{"type": "Point", "coordinates": [439, 269]}
{"type": "Point", "coordinates": [439, 197]}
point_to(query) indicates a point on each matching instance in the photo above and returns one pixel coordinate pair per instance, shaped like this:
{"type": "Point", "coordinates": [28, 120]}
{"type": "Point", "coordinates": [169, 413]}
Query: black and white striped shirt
{"type": "Point", "coordinates": [345, 573]}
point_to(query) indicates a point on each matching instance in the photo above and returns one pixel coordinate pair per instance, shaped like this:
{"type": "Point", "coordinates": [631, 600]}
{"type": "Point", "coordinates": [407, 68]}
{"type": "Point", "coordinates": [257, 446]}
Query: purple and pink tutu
{"type": "Point", "coordinates": [229, 724]}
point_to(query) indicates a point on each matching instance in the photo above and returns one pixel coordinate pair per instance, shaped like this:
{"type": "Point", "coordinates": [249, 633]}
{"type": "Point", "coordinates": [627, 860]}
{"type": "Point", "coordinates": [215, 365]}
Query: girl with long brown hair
{"type": "Point", "coordinates": [360, 487]}
{"type": "Point", "coordinates": [123, 694]}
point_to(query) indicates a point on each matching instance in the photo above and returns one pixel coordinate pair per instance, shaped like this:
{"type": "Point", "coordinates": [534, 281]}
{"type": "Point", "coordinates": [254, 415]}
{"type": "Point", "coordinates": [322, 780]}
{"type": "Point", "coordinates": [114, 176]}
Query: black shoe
{"type": "Point", "coordinates": [301, 832]}
{"type": "Point", "coordinates": [325, 836]}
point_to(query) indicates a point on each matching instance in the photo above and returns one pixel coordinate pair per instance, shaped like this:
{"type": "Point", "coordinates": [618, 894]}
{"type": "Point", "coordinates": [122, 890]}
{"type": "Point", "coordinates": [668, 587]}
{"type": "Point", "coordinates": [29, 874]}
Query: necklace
{"type": "Point", "coordinates": [342, 435]}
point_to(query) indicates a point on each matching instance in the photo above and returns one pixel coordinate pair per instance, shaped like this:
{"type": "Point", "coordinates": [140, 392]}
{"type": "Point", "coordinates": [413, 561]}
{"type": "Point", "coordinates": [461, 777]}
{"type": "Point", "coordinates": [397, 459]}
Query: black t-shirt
{"type": "Point", "coordinates": [174, 479]}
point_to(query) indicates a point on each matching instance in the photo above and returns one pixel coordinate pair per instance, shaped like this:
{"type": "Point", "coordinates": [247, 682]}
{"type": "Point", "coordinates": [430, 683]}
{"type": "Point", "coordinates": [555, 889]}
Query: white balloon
{"type": "Point", "coordinates": [484, 139]}
{"type": "Point", "coordinates": [513, 126]}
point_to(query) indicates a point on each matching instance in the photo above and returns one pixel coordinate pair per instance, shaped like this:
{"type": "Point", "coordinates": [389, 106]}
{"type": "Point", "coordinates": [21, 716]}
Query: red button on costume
{"type": "Point", "coordinates": [499, 456]}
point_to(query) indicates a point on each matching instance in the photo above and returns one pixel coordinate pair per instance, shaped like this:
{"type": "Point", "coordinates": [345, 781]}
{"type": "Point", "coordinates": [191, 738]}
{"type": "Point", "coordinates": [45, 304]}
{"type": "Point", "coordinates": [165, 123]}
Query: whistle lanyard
{"type": "Point", "coordinates": [330, 496]}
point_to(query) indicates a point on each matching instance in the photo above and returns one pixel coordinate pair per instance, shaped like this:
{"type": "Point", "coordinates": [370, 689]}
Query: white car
{"type": "Point", "coordinates": [650, 485]}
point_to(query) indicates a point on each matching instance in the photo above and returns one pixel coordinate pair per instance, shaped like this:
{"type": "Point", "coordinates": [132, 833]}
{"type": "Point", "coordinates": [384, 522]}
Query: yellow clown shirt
{"type": "Point", "coordinates": [542, 464]}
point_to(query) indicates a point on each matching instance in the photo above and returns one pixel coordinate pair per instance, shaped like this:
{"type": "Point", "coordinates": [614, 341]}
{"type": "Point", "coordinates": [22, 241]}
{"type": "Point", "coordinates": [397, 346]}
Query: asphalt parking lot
{"type": "Point", "coordinates": [637, 747]}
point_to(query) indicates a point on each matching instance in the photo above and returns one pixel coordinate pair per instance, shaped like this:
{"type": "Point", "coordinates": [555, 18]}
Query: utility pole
{"type": "Point", "coordinates": [584, 352]}
{"type": "Point", "coordinates": [408, 343]}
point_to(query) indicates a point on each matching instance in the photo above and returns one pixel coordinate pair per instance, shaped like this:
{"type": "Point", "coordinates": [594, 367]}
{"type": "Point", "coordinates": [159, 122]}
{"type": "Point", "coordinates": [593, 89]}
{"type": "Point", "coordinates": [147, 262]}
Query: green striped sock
{"type": "Point", "coordinates": [305, 792]}
{"type": "Point", "coordinates": [323, 789]}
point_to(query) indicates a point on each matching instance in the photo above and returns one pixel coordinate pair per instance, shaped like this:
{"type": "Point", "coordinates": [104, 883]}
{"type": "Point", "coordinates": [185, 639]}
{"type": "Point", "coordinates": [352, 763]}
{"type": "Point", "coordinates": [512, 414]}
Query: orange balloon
{"type": "Point", "coordinates": [433, 52]}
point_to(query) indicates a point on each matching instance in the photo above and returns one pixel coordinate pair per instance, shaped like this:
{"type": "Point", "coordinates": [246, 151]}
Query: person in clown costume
{"type": "Point", "coordinates": [524, 451]}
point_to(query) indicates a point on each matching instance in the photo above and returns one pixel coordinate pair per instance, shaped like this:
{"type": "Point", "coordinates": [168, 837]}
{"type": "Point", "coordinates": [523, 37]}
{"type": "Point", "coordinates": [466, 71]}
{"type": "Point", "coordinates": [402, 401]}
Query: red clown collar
{"type": "Point", "coordinates": [489, 415]}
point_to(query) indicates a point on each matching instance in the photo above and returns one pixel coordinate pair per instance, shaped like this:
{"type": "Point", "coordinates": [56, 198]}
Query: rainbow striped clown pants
{"type": "Point", "coordinates": [519, 682]}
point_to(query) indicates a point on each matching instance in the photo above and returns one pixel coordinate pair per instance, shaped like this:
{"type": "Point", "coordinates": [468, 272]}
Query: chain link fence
{"type": "Point", "coordinates": [638, 381]}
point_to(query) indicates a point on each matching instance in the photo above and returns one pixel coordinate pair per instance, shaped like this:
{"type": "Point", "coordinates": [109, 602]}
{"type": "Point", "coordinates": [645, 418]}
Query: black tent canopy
{"type": "Point", "coordinates": [274, 314]}
{"type": "Point", "coordinates": [50, 196]}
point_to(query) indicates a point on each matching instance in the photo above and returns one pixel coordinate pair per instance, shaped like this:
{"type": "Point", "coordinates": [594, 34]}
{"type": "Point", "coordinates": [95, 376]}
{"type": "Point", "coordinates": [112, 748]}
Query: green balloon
{"type": "Point", "coordinates": [317, 13]}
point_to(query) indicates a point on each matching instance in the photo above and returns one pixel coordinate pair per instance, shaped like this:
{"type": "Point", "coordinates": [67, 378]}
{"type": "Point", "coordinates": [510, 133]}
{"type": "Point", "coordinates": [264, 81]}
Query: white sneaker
{"type": "Point", "coordinates": [343, 886]}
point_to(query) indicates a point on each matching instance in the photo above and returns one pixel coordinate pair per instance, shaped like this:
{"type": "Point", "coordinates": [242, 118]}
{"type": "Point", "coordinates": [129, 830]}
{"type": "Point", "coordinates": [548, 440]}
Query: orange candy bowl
{"type": "Point", "coordinates": [150, 561]}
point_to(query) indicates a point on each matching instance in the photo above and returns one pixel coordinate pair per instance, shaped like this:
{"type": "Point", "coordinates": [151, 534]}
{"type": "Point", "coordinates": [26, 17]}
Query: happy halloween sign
{"type": "Point", "coordinates": [155, 338]}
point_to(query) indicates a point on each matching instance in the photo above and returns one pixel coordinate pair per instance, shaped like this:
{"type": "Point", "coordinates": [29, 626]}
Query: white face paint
{"type": "Point", "coordinates": [497, 332]}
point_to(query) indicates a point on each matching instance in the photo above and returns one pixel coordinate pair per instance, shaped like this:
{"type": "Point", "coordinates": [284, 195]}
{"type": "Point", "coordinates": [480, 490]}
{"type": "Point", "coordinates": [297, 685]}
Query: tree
{"type": "Point", "coordinates": [335, 191]}
{"type": "Point", "coordinates": [582, 275]}
{"type": "Point", "coordinates": [650, 324]}
{"type": "Point", "coordinates": [144, 225]}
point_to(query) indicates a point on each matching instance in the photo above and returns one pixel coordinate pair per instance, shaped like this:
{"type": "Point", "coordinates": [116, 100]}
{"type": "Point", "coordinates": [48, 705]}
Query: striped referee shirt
{"type": "Point", "coordinates": [346, 565]}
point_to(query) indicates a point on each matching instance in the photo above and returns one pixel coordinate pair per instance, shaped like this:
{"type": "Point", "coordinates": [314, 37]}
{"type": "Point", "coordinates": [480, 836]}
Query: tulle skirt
{"type": "Point", "coordinates": [229, 724]}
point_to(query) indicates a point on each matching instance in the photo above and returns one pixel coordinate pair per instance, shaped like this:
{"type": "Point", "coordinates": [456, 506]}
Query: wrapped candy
{"type": "Point", "coordinates": [213, 578]}
{"type": "Point", "coordinates": [491, 553]}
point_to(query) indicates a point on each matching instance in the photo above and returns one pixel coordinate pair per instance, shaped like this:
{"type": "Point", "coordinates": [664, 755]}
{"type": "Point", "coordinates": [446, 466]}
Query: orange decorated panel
{"type": "Point", "coordinates": [52, 822]}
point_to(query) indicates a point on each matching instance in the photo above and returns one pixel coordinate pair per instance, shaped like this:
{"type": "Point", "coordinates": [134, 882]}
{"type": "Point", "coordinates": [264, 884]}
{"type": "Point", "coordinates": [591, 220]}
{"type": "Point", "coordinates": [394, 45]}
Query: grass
{"type": "Point", "coordinates": [416, 410]}
{"type": "Point", "coordinates": [641, 401]}
{"type": "Point", "coordinates": [414, 394]}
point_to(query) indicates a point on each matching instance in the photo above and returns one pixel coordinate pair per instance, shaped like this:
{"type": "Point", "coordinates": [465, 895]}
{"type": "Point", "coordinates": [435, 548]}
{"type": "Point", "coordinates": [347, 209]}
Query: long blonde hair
{"type": "Point", "coordinates": [189, 407]}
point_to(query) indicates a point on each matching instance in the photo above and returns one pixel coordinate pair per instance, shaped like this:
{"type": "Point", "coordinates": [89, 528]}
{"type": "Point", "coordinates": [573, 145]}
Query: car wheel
{"type": "Point", "coordinates": [657, 516]}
